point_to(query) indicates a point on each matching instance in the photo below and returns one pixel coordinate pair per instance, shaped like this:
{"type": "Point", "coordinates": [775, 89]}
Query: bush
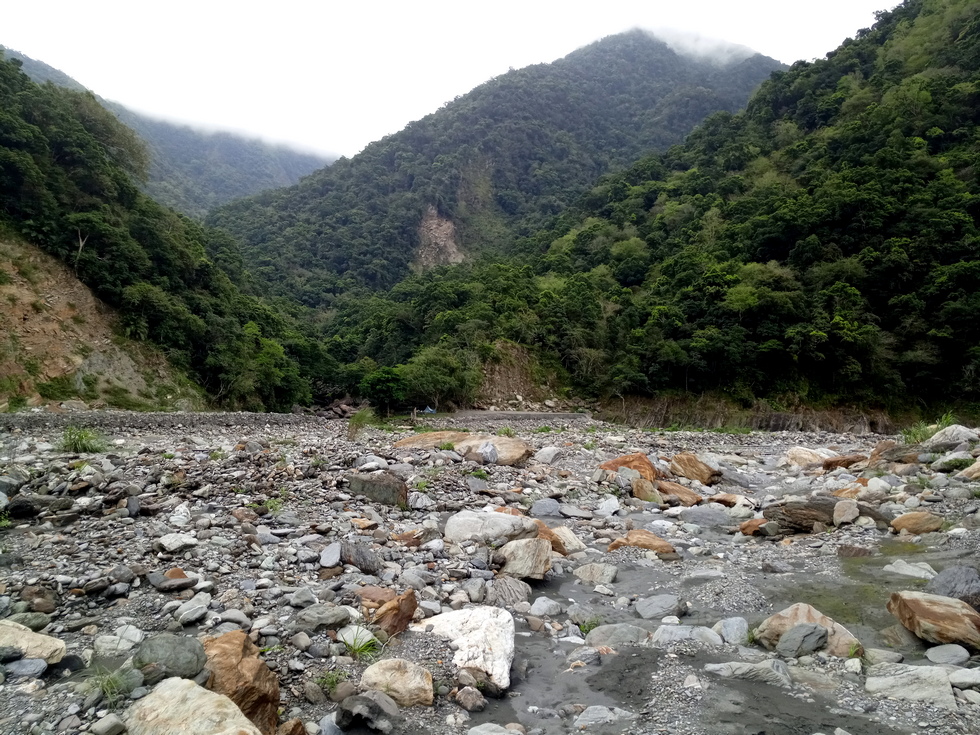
{"type": "Point", "coordinates": [78, 440]}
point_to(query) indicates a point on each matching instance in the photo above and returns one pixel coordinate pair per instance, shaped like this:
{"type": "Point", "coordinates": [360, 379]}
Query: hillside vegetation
{"type": "Point", "coordinates": [495, 163]}
{"type": "Point", "coordinates": [821, 246]}
{"type": "Point", "coordinates": [191, 170]}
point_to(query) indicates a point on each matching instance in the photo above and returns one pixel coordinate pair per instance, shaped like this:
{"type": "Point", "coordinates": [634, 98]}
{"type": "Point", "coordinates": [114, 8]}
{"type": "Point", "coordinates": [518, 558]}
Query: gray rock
{"type": "Point", "coordinates": [918, 570]}
{"type": "Point", "coordinates": [361, 556]}
{"type": "Point", "coordinates": [571, 511]}
{"type": "Point", "coordinates": [34, 621]}
{"type": "Point", "coordinates": [321, 616]}
{"type": "Point", "coordinates": [330, 556]}
{"type": "Point", "coordinates": [596, 715]}
{"type": "Point", "coordinates": [468, 525]}
{"type": "Point", "coordinates": [960, 582]}
{"type": "Point", "coordinates": [952, 461]}
{"type": "Point", "coordinates": [303, 597]}
{"type": "Point", "coordinates": [108, 725]}
{"type": "Point", "coordinates": [659, 607]}
{"type": "Point", "coordinates": [734, 631]}
{"type": "Point", "coordinates": [328, 726]}
{"type": "Point", "coordinates": [27, 668]}
{"type": "Point", "coordinates": [597, 573]}
{"type": "Point", "coordinates": [546, 607]}
{"type": "Point", "coordinates": [772, 671]}
{"type": "Point", "coordinates": [166, 584]}
{"type": "Point", "coordinates": [965, 678]}
{"type": "Point", "coordinates": [950, 653]}
{"type": "Point", "coordinates": [179, 655]}
{"type": "Point", "coordinates": [372, 708]}
{"type": "Point", "coordinates": [911, 684]}
{"type": "Point", "coordinates": [617, 634]}
{"type": "Point", "coordinates": [801, 639]}
{"type": "Point", "coordinates": [489, 728]}
{"type": "Point", "coordinates": [507, 591]}
{"type": "Point", "coordinates": [171, 543]}
{"type": "Point", "coordinates": [545, 507]}
{"type": "Point", "coordinates": [546, 455]}
{"type": "Point", "coordinates": [882, 656]}
{"type": "Point", "coordinates": [949, 438]}
{"type": "Point", "coordinates": [194, 609]}
{"type": "Point", "coordinates": [707, 517]}
{"type": "Point", "coordinates": [381, 487]}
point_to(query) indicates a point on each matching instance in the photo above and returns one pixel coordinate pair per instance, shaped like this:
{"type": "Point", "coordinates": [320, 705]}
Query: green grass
{"type": "Point", "coordinates": [78, 440]}
{"type": "Point", "coordinates": [507, 431]}
{"type": "Point", "coordinates": [591, 624]}
{"type": "Point", "coordinates": [481, 474]}
{"type": "Point", "coordinates": [112, 686]}
{"type": "Point", "coordinates": [16, 403]}
{"type": "Point", "coordinates": [358, 422]}
{"type": "Point", "coordinates": [542, 430]}
{"type": "Point", "coordinates": [447, 446]}
{"type": "Point", "coordinates": [363, 647]}
{"type": "Point", "coordinates": [329, 681]}
{"type": "Point", "coordinates": [919, 432]}
{"type": "Point", "coordinates": [57, 389]}
{"type": "Point", "coordinates": [4, 519]}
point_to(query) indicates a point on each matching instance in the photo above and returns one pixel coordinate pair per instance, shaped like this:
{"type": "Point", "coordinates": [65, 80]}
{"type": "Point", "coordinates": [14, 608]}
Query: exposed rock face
{"type": "Point", "coordinates": [438, 242]}
{"type": "Point", "coordinates": [180, 706]}
{"type": "Point", "coordinates": [642, 539]}
{"type": "Point", "coordinates": [840, 641]}
{"type": "Point", "coordinates": [405, 682]}
{"type": "Point", "coordinates": [239, 674]}
{"type": "Point", "coordinates": [688, 465]}
{"type": "Point", "coordinates": [484, 637]}
{"type": "Point", "coordinates": [911, 683]}
{"type": "Point", "coordinates": [937, 619]}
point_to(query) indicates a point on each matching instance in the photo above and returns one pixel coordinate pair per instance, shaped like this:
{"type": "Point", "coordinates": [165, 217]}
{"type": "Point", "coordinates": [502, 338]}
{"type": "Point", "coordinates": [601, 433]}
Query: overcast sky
{"type": "Point", "coordinates": [333, 76]}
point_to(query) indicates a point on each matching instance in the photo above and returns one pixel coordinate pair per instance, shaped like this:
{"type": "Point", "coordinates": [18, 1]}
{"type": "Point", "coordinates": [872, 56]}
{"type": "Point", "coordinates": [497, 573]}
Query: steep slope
{"type": "Point", "coordinates": [192, 170]}
{"type": "Point", "coordinates": [500, 160]}
{"type": "Point", "coordinates": [822, 246]}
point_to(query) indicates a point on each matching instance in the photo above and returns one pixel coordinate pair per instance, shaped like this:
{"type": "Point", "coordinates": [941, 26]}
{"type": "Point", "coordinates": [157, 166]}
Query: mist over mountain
{"type": "Point", "coordinates": [193, 170]}
{"type": "Point", "coordinates": [492, 164]}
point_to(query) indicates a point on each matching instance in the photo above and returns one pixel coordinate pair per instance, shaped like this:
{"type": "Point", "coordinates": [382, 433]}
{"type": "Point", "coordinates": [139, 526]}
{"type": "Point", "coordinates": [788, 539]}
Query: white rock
{"type": "Point", "coordinates": [180, 706]}
{"type": "Point", "coordinates": [468, 525]}
{"type": "Point", "coordinates": [484, 637]}
{"type": "Point", "coordinates": [31, 644]}
{"type": "Point", "coordinates": [917, 569]}
{"type": "Point", "coordinates": [911, 684]}
{"type": "Point", "coordinates": [173, 542]}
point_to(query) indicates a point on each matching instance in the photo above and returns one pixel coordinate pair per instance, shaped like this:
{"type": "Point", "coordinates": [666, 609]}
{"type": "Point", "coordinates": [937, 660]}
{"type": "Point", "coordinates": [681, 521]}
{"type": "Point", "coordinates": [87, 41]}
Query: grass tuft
{"type": "Point", "coordinates": [78, 440]}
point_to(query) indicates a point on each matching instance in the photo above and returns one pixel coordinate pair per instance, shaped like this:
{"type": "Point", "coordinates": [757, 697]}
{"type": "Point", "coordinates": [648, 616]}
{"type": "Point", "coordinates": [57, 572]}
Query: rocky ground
{"type": "Point", "coordinates": [545, 575]}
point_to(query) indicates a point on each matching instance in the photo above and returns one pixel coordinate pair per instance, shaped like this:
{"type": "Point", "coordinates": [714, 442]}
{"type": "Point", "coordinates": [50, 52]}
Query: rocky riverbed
{"type": "Point", "coordinates": [246, 573]}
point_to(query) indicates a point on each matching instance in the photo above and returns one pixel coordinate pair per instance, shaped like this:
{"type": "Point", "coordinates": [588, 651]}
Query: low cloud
{"type": "Point", "coordinates": [693, 44]}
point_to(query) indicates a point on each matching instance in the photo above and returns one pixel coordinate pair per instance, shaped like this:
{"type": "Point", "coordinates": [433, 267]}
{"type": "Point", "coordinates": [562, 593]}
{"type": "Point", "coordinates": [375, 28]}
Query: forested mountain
{"type": "Point", "coordinates": [69, 175]}
{"type": "Point", "coordinates": [821, 246]}
{"type": "Point", "coordinates": [192, 170]}
{"type": "Point", "coordinates": [497, 162]}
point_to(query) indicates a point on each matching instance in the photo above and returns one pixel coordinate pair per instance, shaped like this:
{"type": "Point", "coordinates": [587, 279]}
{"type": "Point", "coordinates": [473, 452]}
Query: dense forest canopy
{"type": "Point", "coordinates": [497, 162]}
{"type": "Point", "coordinates": [190, 170]}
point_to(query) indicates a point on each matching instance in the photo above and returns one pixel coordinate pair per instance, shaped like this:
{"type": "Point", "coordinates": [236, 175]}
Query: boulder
{"type": "Point", "coordinates": [239, 674]}
{"type": "Point", "coordinates": [917, 522]}
{"type": "Point", "coordinates": [180, 706]}
{"type": "Point", "coordinates": [846, 511]}
{"type": "Point", "coordinates": [645, 490]}
{"type": "Point", "coordinates": [970, 473]}
{"type": "Point", "coordinates": [372, 708]}
{"type": "Point", "coordinates": [597, 573]}
{"type": "Point", "coordinates": [469, 525]}
{"type": "Point", "coordinates": [507, 591]}
{"type": "Point", "coordinates": [798, 515]}
{"type": "Point", "coordinates": [569, 540]}
{"type": "Point", "coordinates": [544, 532]}
{"type": "Point", "coordinates": [616, 635]}
{"type": "Point", "coordinates": [31, 644]}
{"type": "Point", "coordinates": [318, 617]}
{"type": "Point", "coordinates": [960, 582]}
{"type": "Point", "coordinates": [483, 636]}
{"type": "Point", "coordinates": [509, 451]}
{"type": "Point", "coordinates": [405, 682]}
{"type": "Point", "coordinates": [394, 616]}
{"type": "Point", "coordinates": [178, 655]}
{"type": "Point", "coordinates": [949, 438]}
{"type": "Point", "coordinates": [773, 672]}
{"type": "Point", "coordinates": [801, 639]}
{"type": "Point", "coordinates": [803, 457]}
{"type": "Point", "coordinates": [644, 540]}
{"type": "Point", "coordinates": [360, 555]}
{"type": "Point", "coordinates": [936, 619]}
{"type": "Point", "coordinates": [688, 465]}
{"type": "Point", "coordinates": [683, 495]}
{"type": "Point", "coordinates": [526, 558]}
{"type": "Point", "coordinates": [911, 684]}
{"type": "Point", "coordinates": [659, 607]}
{"type": "Point", "coordinates": [382, 487]}
{"type": "Point", "coordinates": [840, 641]}
{"type": "Point", "coordinates": [639, 462]}
{"type": "Point", "coordinates": [949, 654]}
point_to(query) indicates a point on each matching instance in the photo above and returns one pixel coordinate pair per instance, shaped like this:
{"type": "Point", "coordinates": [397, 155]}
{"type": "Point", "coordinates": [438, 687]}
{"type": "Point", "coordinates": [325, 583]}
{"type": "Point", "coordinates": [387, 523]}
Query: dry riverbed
{"type": "Point", "coordinates": [487, 581]}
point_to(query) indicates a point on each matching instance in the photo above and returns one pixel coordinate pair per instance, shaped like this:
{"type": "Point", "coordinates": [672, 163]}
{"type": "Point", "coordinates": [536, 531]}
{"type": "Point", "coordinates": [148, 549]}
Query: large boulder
{"type": "Point", "coordinates": [911, 684]}
{"type": "Point", "coordinates": [239, 674]}
{"type": "Point", "coordinates": [381, 487]}
{"type": "Point", "coordinates": [642, 539]}
{"type": "Point", "coordinates": [688, 465]}
{"type": "Point", "coordinates": [949, 438]}
{"type": "Point", "coordinates": [483, 637]}
{"type": "Point", "coordinates": [798, 515]}
{"type": "Point", "coordinates": [840, 641]}
{"type": "Point", "coordinates": [935, 618]}
{"type": "Point", "coordinates": [527, 558]}
{"type": "Point", "coordinates": [31, 644]}
{"type": "Point", "coordinates": [180, 706]}
{"type": "Point", "coordinates": [405, 682]}
{"type": "Point", "coordinates": [639, 462]}
{"type": "Point", "coordinates": [178, 655]}
{"type": "Point", "coordinates": [508, 451]}
{"type": "Point", "coordinates": [469, 525]}
{"type": "Point", "coordinates": [960, 582]}
{"type": "Point", "coordinates": [683, 495]}
{"type": "Point", "coordinates": [917, 522]}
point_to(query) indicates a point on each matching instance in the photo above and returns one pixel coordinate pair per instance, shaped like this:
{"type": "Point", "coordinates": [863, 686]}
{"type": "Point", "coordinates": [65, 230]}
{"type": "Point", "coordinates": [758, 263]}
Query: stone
{"type": "Point", "coordinates": [489, 728]}
{"type": "Point", "coordinates": [545, 607]}
{"type": "Point", "coordinates": [803, 457]}
{"type": "Point", "coordinates": [527, 558]}
{"type": "Point", "coordinates": [551, 537]}
{"type": "Point", "coordinates": [801, 639]}
{"type": "Point", "coordinates": [918, 570]}
{"type": "Point", "coordinates": [180, 656]}
{"type": "Point", "coordinates": [935, 618]}
{"type": "Point", "coordinates": [171, 543]}
{"type": "Point", "coordinates": [645, 490]}
{"type": "Point", "coordinates": [688, 465]}
{"type": "Point", "coordinates": [734, 631]}
{"type": "Point", "coordinates": [572, 543]}
{"type": "Point", "coordinates": [26, 668]}
{"type": "Point", "coordinates": [964, 678]}
{"type": "Point", "coordinates": [31, 644]}
{"type": "Point", "coordinates": [509, 451]}
{"type": "Point", "coordinates": [951, 462]}
{"type": "Point", "coordinates": [194, 609]}
{"type": "Point", "coordinates": [111, 724]}
{"type": "Point", "coordinates": [330, 556]}
{"type": "Point", "coordinates": [239, 674]}
{"type": "Point", "coordinates": [405, 682]}
{"type": "Point", "coordinates": [949, 438]}
{"type": "Point", "coordinates": [546, 455]}
{"type": "Point", "coordinates": [846, 511]}
{"type": "Point", "coordinates": [483, 636]}
{"type": "Point", "coordinates": [372, 708]}
{"type": "Point", "coordinates": [773, 671]}
{"type": "Point", "coordinates": [382, 487]}
{"type": "Point", "coordinates": [394, 616]}
{"type": "Point", "coordinates": [970, 473]}
{"type": "Point", "coordinates": [882, 656]}
{"type": "Point", "coordinates": [596, 715]}
{"type": "Point", "coordinates": [659, 607]}
{"type": "Point", "coordinates": [34, 620]}
{"type": "Point", "coordinates": [911, 684]}
{"type": "Point", "coordinates": [361, 556]}
{"type": "Point", "coordinates": [833, 463]}
{"type": "Point", "coordinates": [507, 591]}
{"type": "Point", "coordinates": [840, 641]}
{"type": "Point", "coordinates": [949, 653]}
{"type": "Point", "coordinates": [545, 507]}
{"type": "Point", "coordinates": [318, 617]}
{"type": "Point", "coordinates": [165, 582]}
{"type": "Point", "coordinates": [683, 495]}
{"type": "Point", "coordinates": [472, 700]}
{"type": "Point", "coordinates": [917, 522]}
{"type": "Point", "coordinates": [358, 639]}
{"type": "Point", "coordinates": [638, 462]}
{"type": "Point", "coordinates": [615, 635]}
{"type": "Point", "coordinates": [468, 525]}
{"type": "Point", "coordinates": [178, 705]}
{"type": "Point", "coordinates": [597, 573]}
{"type": "Point", "coordinates": [303, 597]}
{"type": "Point", "coordinates": [798, 515]}
{"type": "Point", "coordinates": [958, 581]}
{"type": "Point", "coordinates": [642, 539]}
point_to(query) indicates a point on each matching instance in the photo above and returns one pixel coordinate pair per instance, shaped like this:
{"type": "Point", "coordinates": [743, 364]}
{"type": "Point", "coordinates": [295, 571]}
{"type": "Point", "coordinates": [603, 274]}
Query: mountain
{"type": "Point", "coordinates": [497, 162]}
{"type": "Point", "coordinates": [191, 170]}
{"type": "Point", "coordinates": [821, 247]}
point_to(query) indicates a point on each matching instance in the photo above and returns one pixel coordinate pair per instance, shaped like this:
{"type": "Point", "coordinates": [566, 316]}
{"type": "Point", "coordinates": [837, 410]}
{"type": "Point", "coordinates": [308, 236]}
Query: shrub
{"type": "Point", "coordinates": [79, 440]}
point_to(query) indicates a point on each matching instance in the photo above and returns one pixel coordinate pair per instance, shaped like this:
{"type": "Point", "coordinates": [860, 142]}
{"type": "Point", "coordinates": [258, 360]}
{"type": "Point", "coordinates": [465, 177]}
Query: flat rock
{"type": "Point", "coordinates": [178, 705]}
{"type": "Point", "coordinates": [483, 636]}
{"type": "Point", "coordinates": [31, 644]}
{"type": "Point", "coordinates": [508, 450]}
{"type": "Point", "coordinates": [597, 573]}
{"type": "Point", "coordinates": [688, 465]}
{"type": "Point", "coordinates": [545, 507]}
{"type": "Point", "coordinates": [659, 607]}
{"type": "Point", "coordinates": [911, 684]}
{"type": "Point", "coordinates": [801, 639]}
{"type": "Point", "coordinates": [405, 682]}
{"type": "Point", "coordinates": [935, 618]}
{"type": "Point", "coordinates": [683, 495]}
{"type": "Point", "coordinates": [617, 634]}
{"type": "Point", "coordinates": [960, 582]}
{"type": "Point", "coordinates": [180, 656]}
{"type": "Point", "coordinates": [949, 438]}
{"type": "Point", "coordinates": [949, 653]}
{"type": "Point", "coordinates": [917, 522]}
{"type": "Point", "coordinates": [638, 462]}
{"type": "Point", "coordinates": [642, 539]}
{"type": "Point", "coordinates": [468, 525]}
{"type": "Point", "coordinates": [382, 487]}
{"type": "Point", "coordinates": [773, 671]}
{"type": "Point", "coordinates": [318, 617]}
{"type": "Point", "coordinates": [918, 570]}
{"type": "Point", "coordinates": [171, 543]}
{"type": "Point", "coordinates": [840, 641]}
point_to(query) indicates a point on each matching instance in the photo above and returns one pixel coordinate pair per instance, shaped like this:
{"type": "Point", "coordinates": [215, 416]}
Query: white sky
{"type": "Point", "coordinates": [333, 76]}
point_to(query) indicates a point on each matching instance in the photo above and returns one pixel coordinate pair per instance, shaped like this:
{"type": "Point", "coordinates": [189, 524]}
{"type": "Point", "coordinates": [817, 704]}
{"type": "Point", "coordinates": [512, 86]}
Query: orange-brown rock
{"type": "Point", "coordinates": [840, 641]}
{"type": "Point", "coordinates": [244, 515]}
{"type": "Point", "coordinates": [510, 451]}
{"type": "Point", "coordinates": [639, 462]}
{"type": "Point", "coordinates": [292, 727]}
{"type": "Point", "coordinates": [551, 537]}
{"type": "Point", "coordinates": [970, 473]}
{"type": "Point", "coordinates": [644, 540]}
{"type": "Point", "coordinates": [409, 538]}
{"type": "Point", "coordinates": [730, 500]}
{"type": "Point", "coordinates": [880, 448]}
{"type": "Point", "coordinates": [751, 527]}
{"type": "Point", "coordinates": [684, 495]}
{"type": "Point", "coordinates": [365, 524]}
{"type": "Point", "coordinates": [937, 619]}
{"type": "Point", "coordinates": [175, 573]}
{"type": "Point", "coordinates": [688, 465]}
{"type": "Point", "coordinates": [239, 674]}
{"type": "Point", "coordinates": [916, 522]}
{"type": "Point", "coordinates": [849, 492]}
{"type": "Point", "coordinates": [833, 463]}
{"type": "Point", "coordinates": [394, 616]}
{"type": "Point", "coordinates": [374, 597]}
{"type": "Point", "coordinates": [643, 489]}
{"type": "Point", "coordinates": [508, 510]}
